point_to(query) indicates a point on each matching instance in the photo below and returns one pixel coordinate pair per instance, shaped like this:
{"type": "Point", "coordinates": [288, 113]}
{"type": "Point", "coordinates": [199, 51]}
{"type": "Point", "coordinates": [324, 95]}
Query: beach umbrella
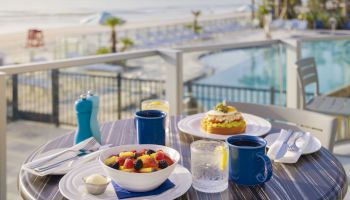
{"type": "Point", "coordinates": [97, 19]}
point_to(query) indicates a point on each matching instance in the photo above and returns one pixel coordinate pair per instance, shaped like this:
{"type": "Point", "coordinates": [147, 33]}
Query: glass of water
{"type": "Point", "coordinates": [209, 166]}
{"type": "Point", "coordinates": [157, 104]}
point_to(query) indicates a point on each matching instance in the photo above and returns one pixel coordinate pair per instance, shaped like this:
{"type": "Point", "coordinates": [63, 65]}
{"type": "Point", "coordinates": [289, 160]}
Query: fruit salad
{"type": "Point", "coordinates": [144, 161]}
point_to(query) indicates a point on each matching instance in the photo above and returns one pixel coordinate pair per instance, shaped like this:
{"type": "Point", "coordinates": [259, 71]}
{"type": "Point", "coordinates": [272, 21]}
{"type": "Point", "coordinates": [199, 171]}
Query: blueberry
{"type": "Point", "coordinates": [162, 164]}
{"type": "Point", "coordinates": [115, 165]}
{"type": "Point", "coordinates": [138, 164]}
{"type": "Point", "coordinates": [149, 152]}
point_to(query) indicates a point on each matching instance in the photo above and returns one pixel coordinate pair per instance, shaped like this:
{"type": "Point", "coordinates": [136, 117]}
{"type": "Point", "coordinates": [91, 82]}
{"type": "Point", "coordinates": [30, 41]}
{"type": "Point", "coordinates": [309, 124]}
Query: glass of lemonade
{"type": "Point", "coordinates": [157, 104]}
{"type": "Point", "coordinates": [209, 166]}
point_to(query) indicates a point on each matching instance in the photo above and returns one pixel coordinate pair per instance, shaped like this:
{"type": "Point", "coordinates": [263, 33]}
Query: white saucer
{"type": "Point", "coordinates": [255, 126]}
{"type": "Point", "coordinates": [313, 146]}
{"type": "Point", "coordinates": [67, 166]}
{"type": "Point", "coordinates": [72, 187]}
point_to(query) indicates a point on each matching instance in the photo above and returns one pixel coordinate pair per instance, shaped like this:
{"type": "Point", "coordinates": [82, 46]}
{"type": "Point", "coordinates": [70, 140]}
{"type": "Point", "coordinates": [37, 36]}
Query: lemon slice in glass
{"type": "Point", "coordinates": [156, 103]}
{"type": "Point", "coordinates": [223, 158]}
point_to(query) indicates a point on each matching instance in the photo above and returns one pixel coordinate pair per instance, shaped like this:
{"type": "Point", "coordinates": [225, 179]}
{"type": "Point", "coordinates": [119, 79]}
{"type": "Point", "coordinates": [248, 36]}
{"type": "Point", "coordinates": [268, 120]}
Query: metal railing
{"type": "Point", "coordinates": [49, 96]}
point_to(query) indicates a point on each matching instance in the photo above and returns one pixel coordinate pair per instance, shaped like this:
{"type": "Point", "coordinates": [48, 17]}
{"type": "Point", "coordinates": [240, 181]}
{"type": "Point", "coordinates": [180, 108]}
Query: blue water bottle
{"type": "Point", "coordinates": [95, 128]}
{"type": "Point", "coordinates": [83, 108]}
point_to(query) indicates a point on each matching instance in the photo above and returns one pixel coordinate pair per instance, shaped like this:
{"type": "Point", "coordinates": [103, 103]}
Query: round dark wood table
{"type": "Point", "coordinates": [316, 176]}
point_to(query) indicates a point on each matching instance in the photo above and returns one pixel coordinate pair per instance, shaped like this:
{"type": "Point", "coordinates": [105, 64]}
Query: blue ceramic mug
{"type": "Point", "coordinates": [248, 163]}
{"type": "Point", "coordinates": [150, 127]}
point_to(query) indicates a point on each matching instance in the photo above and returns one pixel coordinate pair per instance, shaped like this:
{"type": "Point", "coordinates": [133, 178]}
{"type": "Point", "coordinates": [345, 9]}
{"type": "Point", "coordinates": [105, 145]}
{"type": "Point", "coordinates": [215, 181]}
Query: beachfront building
{"type": "Point", "coordinates": [193, 63]}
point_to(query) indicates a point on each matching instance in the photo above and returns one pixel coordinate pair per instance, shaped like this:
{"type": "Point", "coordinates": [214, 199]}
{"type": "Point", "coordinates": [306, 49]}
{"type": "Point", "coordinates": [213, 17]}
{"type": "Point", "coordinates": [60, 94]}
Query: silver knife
{"type": "Point", "coordinates": [284, 147]}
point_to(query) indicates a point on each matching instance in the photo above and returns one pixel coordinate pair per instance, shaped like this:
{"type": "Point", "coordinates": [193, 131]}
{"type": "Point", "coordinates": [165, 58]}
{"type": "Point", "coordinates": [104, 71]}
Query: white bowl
{"type": "Point", "coordinates": [139, 182]}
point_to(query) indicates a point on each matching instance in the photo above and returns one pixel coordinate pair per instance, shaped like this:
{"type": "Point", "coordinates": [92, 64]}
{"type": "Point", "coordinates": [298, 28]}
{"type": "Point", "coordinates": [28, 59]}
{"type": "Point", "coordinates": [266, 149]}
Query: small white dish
{"type": "Point", "coordinates": [256, 126]}
{"type": "Point", "coordinates": [313, 146]}
{"type": "Point", "coordinates": [72, 186]}
{"type": "Point", "coordinates": [96, 189]}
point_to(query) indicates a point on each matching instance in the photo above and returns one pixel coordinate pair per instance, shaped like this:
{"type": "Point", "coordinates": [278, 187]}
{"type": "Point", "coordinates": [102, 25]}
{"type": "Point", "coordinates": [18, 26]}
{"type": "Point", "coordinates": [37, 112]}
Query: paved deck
{"type": "Point", "coordinates": [23, 137]}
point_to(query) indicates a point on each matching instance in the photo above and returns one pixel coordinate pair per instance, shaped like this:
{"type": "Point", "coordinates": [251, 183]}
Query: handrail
{"type": "Point", "coordinates": [223, 46]}
{"type": "Point", "coordinates": [325, 37]}
{"type": "Point", "coordinates": [86, 60]}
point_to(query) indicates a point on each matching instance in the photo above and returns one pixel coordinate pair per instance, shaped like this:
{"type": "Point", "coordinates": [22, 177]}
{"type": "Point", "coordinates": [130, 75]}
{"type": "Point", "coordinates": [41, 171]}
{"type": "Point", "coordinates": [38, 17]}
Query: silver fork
{"type": "Point", "coordinates": [293, 146]}
{"type": "Point", "coordinates": [85, 149]}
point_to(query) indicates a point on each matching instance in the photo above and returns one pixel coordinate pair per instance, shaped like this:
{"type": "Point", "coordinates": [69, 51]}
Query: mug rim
{"type": "Point", "coordinates": [163, 114]}
{"type": "Point", "coordinates": [255, 138]}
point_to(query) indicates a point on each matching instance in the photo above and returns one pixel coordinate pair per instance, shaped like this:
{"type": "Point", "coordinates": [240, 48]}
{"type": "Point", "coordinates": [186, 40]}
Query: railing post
{"type": "Point", "coordinates": [14, 97]}
{"type": "Point", "coordinates": [173, 79]}
{"type": "Point", "coordinates": [119, 88]}
{"type": "Point", "coordinates": [293, 91]}
{"type": "Point", "coordinates": [189, 86]}
{"type": "Point", "coordinates": [272, 95]}
{"type": "Point", "coordinates": [3, 116]}
{"type": "Point", "coordinates": [55, 96]}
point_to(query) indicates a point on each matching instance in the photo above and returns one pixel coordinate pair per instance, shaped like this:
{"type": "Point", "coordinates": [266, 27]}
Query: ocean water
{"type": "Point", "coordinates": [20, 15]}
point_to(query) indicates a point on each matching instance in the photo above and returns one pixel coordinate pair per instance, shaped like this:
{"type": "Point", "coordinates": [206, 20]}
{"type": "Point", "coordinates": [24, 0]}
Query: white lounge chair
{"type": "Point", "coordinates": [277, 24]}
{"type": "Point", "coordinates": [319, 125]}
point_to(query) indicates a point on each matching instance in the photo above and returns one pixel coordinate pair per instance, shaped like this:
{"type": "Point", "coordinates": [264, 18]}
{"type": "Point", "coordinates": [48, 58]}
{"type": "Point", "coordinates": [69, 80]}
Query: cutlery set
{"type": "Point", "coordinates": [289, 144]}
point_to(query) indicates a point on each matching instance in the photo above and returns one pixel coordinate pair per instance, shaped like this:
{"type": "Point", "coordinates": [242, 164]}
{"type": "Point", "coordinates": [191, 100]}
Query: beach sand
{"type": "Point", "coordinates": [12, 45]}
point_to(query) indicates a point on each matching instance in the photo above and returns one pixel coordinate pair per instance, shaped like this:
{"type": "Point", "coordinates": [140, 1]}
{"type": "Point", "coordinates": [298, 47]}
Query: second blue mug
{"type": "Point", "coordinates": [150, 127]}
{"type": "Point", "coordinates": [248, 163]}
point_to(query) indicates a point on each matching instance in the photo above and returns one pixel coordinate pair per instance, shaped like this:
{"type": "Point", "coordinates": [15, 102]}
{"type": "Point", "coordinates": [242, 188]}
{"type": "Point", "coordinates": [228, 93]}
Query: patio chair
{"type": "Point", "coordinates": [307, 75]}
{"type": "Point", "coordinates": [319, 125]}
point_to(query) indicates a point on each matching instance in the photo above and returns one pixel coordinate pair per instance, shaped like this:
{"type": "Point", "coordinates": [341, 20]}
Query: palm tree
{"type": "Point", "coordinates": [127, 42]}
{"type": "Point", "coordinates": [113, 22]}
{"type": "Point", "coordinates": [195, 26]}
{"type": "Point", "coordinates": [253, 9]}
{"type": "Point", "coordinates": [196, 14]}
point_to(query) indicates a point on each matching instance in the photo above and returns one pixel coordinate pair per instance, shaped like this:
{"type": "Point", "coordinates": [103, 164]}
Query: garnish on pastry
{"type": "Point", "coordinates": [223, 120]}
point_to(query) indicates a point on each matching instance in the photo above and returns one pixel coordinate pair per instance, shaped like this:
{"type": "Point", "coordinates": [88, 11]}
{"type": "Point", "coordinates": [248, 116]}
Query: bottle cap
{"type": "Point", "coordinates": [83, 96]}
{"type": "Point", "coordinates": [90, 93]}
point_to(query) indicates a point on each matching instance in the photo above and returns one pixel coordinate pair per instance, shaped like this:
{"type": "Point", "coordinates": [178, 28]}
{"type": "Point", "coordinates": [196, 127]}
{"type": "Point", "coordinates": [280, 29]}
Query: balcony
{"type": "Point", "coordinates": [46, 91]}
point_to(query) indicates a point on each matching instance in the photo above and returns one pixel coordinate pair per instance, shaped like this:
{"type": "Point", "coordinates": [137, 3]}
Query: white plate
{"type": "Point", "coordinates": [67, 166]}
{"type": "Point", "coordinates": [256, 126]}
{"type": "Point", "coordinates": [313, 146]}
{"type": "Point", "coordinates": [72, 185]}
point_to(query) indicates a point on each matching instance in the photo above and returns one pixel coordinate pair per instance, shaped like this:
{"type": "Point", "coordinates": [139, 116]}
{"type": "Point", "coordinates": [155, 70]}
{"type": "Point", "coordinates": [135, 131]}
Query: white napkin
{"type": "Point", "coordinates": [275, 147]}
{"type": "Point", "coordinates": [30, 165]}
{"type": "Point", "coordinates": [293, 156]}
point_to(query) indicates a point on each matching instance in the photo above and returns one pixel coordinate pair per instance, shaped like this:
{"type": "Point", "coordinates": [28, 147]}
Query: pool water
{"type": "Point", "coordinates": [265, 67]}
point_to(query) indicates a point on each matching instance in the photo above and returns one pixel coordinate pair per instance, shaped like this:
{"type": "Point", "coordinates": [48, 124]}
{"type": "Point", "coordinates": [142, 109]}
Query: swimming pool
{"type": "Point", "coordinates": [265, 67]}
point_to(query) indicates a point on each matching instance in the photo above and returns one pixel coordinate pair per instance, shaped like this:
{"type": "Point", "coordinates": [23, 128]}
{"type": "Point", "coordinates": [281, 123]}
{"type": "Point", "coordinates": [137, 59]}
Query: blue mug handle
{"type": "Point", "coordinates": [262, 178]}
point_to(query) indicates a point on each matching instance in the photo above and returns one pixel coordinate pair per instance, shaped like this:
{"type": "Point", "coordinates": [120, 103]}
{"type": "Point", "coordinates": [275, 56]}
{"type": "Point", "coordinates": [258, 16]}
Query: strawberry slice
{"type": "Point", "coordinates": [168, 160]}
{"type": "Point", "coordinates": [128, 164]}
{"type": "Point", "coordinates": [159, 155]}
{"type": "Point", "coordinates": [120, 160]}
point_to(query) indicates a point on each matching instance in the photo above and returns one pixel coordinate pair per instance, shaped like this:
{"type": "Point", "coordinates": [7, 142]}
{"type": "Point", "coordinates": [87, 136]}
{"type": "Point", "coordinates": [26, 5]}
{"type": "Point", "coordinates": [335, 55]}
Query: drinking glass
{"type": "Point", "coordinates": [209, 166]}
{"type": "Point", "coordinates": [157, 104]}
